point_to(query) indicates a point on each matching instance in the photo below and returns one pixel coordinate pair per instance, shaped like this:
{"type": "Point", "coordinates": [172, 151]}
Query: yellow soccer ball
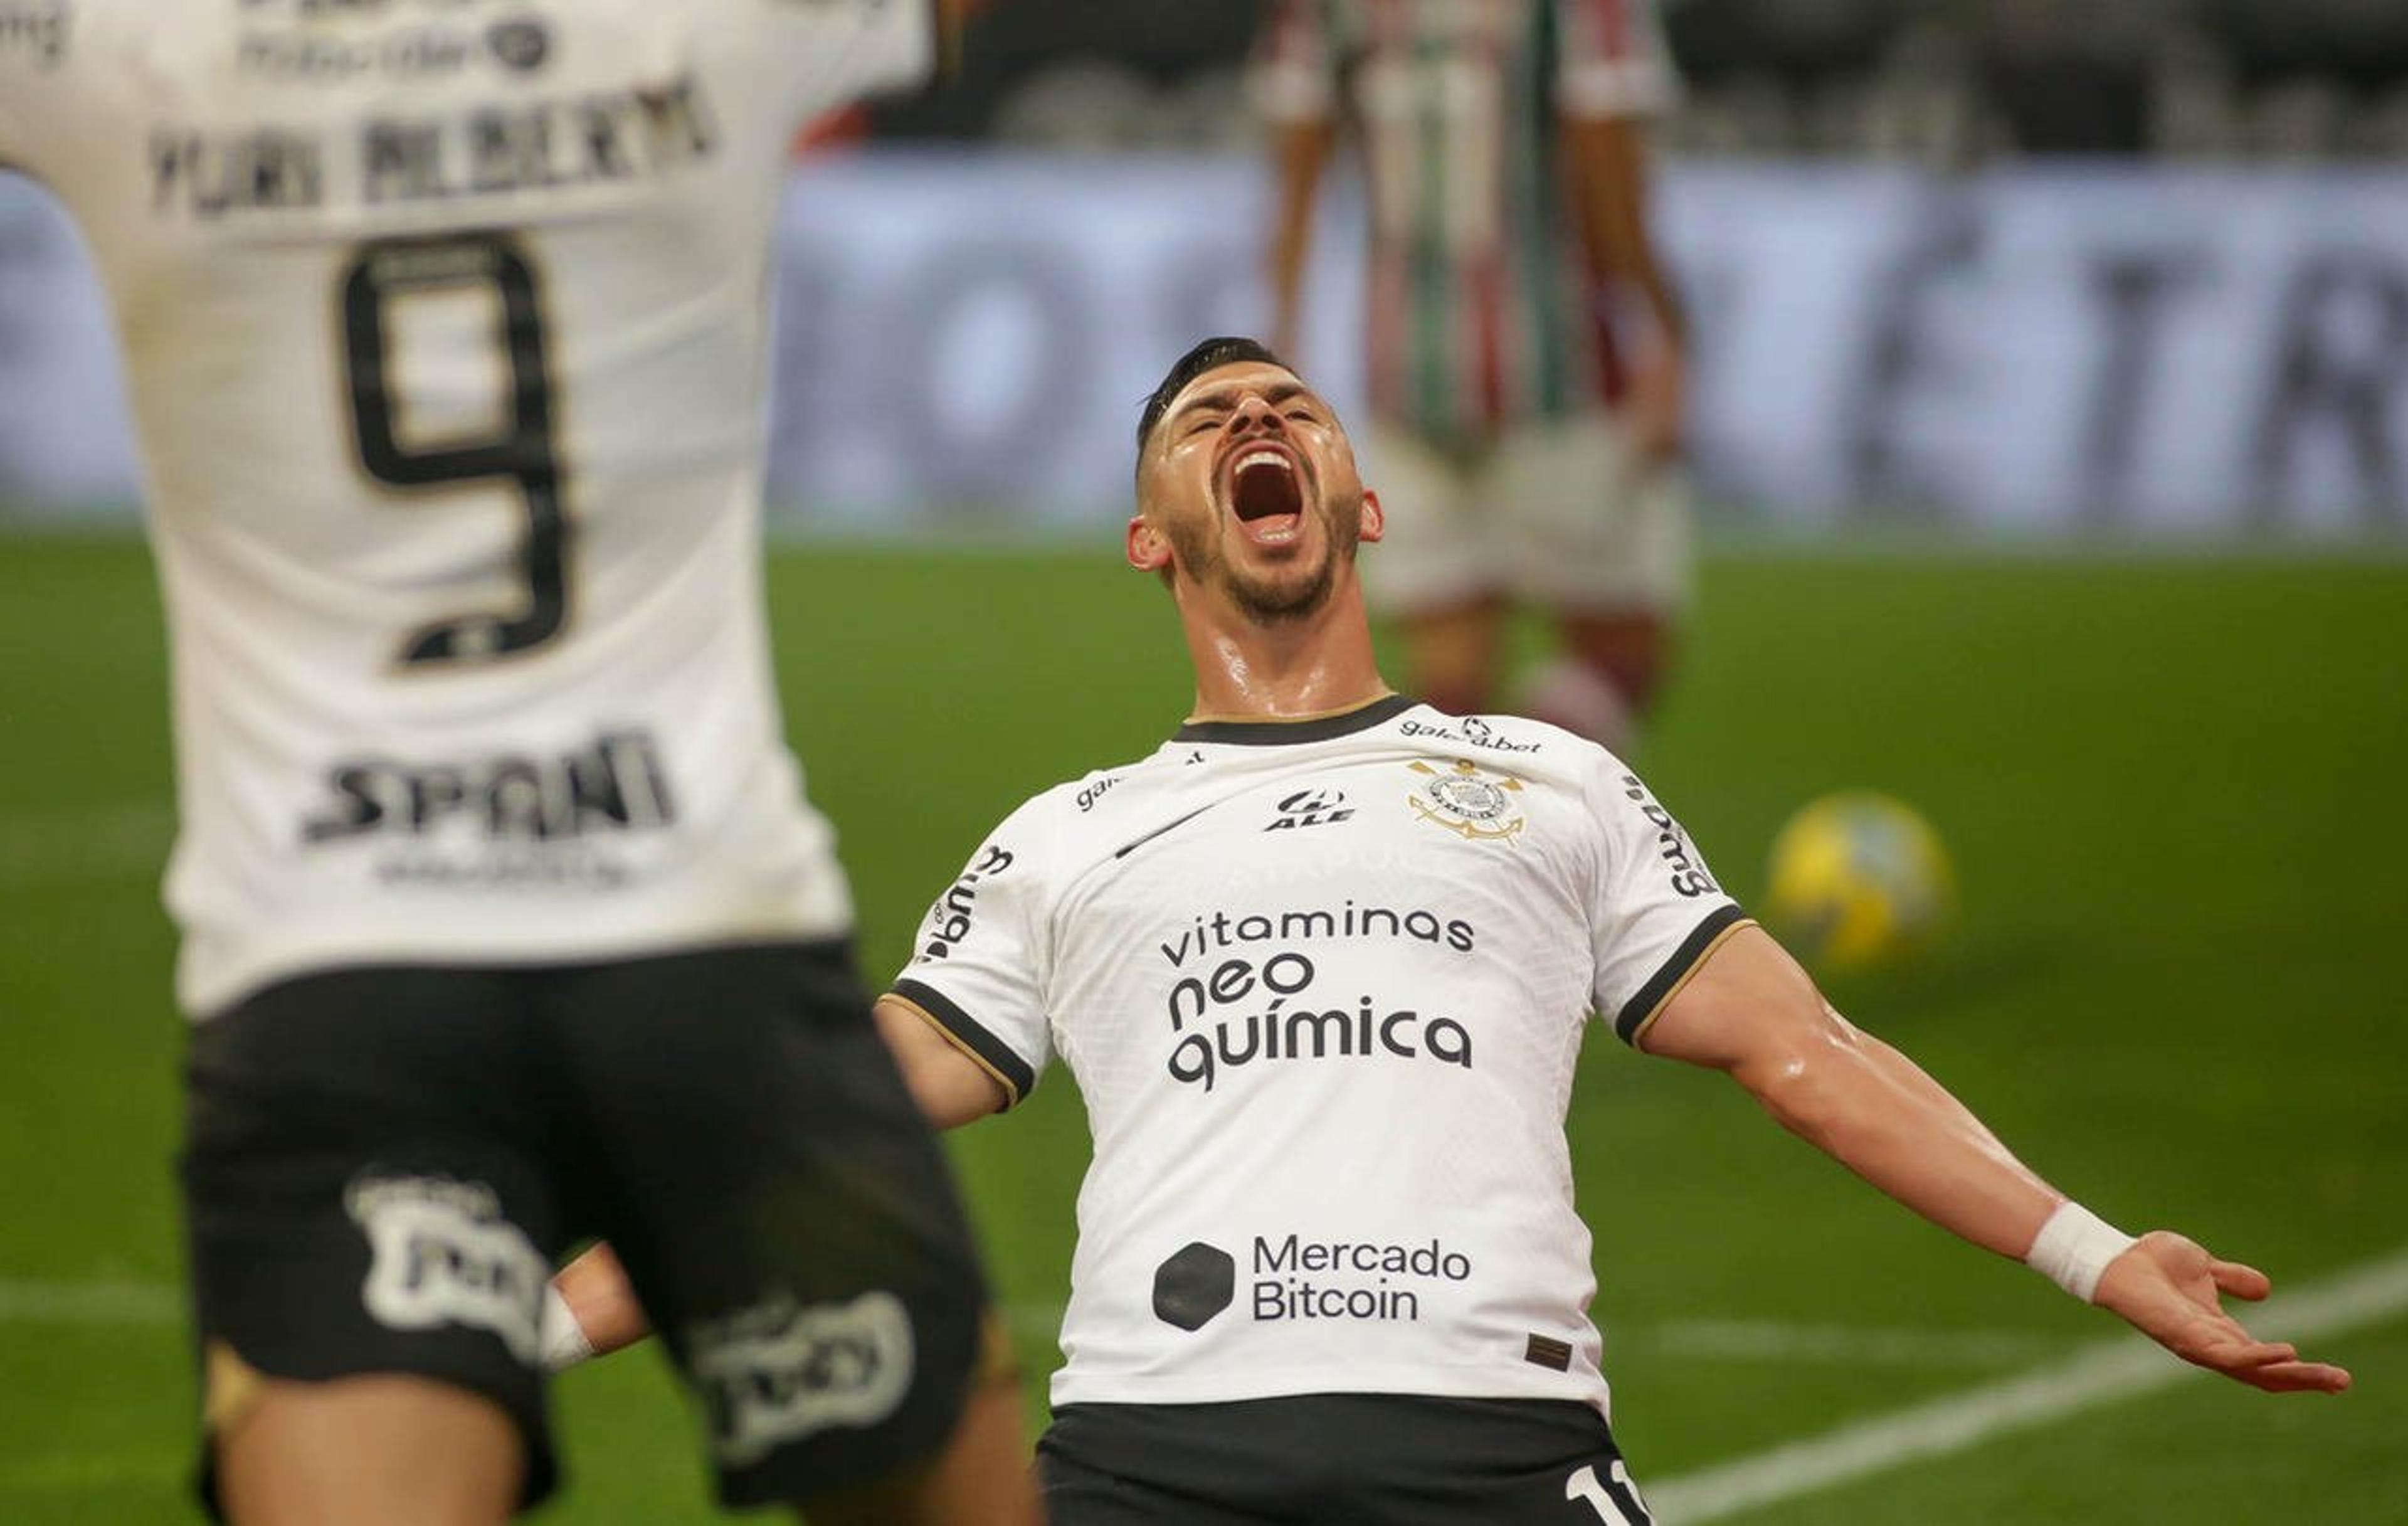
{"type": "Point", "coordinates": [1858, 881]}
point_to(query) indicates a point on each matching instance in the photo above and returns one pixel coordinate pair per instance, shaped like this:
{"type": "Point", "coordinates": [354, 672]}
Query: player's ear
{"type": "Point", "coordinates": [1374, 520]}
{"type": "Point", "coordinates": [1149, 549]}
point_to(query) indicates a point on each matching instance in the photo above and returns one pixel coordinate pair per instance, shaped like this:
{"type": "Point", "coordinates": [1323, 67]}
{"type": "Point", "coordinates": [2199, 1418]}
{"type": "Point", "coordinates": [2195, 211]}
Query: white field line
{"type": "Point", "coordinates": [24, 1302]}
{"type": "Point", "coordinates": [79, 846]}
{"type": "Point", "coordinates": [1760, 1340]}
{"type": "Point", "coordinates": [36, 1303]}
{"type": "Point", "coordinates": [81, 1472]}
{"type": "Point", "coordinates": [2103, 1374]}
{"type": "Point", "coordinates": [2118, 1369]}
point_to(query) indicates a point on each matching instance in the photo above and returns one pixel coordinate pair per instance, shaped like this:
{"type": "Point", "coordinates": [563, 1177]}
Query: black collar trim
{"type": "Point", "coordinates": [1280, 733]}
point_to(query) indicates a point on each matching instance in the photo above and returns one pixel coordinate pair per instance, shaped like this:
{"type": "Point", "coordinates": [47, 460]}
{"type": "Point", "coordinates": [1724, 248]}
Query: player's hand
{"type": "Point", "coordinates": [1656, 404]}
{"type": "Point", "coordinates": [2168, 1287]}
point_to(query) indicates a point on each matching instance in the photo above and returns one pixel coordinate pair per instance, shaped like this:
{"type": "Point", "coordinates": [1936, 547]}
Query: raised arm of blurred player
{"type": "Point", "coordinates": [1751, 1012]}
{"type": "Point", "coordinates": [1606, 161]}
{"type": "Point", "coordinates": [1294, 86]}
{"type": "Point", "coordinates": [1617, 75]}
{"type": "Point", "coordinates": [950, 1087]}
{"type": "Point", "coordinates": [1300, 151]}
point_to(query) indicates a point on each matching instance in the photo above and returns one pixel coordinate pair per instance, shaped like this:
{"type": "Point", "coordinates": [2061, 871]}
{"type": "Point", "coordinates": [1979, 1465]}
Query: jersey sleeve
{"type": "Point", "coordinates": [1614, 60]}
{"type": "Point", "coordinates": [1293, 79]}
{"type": "Point", "coordinates": [844, 50]}
{"type": "Point", "coordinates": [979, 970]}
{"type": "Point", "coordinates": [1659, 911]}
{"type": "Point", "coordinates": [36, 59]}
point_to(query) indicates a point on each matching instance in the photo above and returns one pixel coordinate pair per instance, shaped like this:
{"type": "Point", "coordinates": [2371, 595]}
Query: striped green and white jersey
{"type": "Point", "coordinates": [1482, 309]}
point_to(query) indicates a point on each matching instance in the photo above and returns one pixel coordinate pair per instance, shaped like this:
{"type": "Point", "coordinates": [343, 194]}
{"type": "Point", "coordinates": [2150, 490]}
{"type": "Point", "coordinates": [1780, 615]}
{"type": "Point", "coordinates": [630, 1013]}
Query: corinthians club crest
{"type": "Point", "coordinates": [1467, 801]}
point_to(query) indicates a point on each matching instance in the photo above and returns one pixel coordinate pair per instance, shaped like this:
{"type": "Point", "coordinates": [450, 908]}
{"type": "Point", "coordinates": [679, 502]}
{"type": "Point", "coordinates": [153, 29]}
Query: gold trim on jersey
{"type": "Point", "coordinates": [1011, 1092]}
{"type": "Point", "coordinates": [1640, 1034]}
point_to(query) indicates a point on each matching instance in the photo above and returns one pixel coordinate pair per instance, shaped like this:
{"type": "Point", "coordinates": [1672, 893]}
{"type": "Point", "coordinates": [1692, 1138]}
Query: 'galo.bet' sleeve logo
{"type": "Point", "coordinates": [1469, 801]}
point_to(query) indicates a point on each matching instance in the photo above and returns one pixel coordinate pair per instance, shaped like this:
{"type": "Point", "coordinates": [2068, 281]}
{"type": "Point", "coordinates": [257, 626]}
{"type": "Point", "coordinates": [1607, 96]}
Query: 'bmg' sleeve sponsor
{"type": "Point", "coordinates": [977, 971]}
{"type": "Point", "coordinates": [1660, 911]}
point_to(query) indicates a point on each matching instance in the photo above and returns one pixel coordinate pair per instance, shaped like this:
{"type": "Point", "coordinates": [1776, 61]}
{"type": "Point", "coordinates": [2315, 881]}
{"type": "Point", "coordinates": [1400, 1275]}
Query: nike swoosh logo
{"type": "Point", "coordinates": [1167, 827]}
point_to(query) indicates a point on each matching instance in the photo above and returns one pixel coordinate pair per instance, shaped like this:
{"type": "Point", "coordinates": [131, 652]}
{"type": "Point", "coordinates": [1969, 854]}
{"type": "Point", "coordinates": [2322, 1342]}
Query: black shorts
{"type": "Point", "coordinates": [381, 1167]}
{"type": "Point", "coordinates": [1337, 1460]}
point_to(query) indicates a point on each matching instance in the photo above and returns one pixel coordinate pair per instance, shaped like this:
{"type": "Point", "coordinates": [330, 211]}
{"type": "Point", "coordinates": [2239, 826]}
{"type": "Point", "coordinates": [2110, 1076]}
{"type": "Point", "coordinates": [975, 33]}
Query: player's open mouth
{"type": "Point", "coordinates": [1267, 494]}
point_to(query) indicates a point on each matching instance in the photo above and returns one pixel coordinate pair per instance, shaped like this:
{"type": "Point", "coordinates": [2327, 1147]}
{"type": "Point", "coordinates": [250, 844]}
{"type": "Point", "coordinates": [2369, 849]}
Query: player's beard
{"type": "Point", "coordinates": [1280, 593]}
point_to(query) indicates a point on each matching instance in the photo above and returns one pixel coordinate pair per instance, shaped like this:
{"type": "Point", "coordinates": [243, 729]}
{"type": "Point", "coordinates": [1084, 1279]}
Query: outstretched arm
{"type": "Point", "coordinates": [591, 1310]}
{"type": "Point", "coordinates": [1751, 1012]}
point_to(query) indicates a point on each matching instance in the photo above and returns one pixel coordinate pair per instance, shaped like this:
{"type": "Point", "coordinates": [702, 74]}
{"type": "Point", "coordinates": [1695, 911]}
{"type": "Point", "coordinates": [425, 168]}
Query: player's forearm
{"type": "Point", "coordinates": [1300, 154]}
{"type": "Point", "coordinates": [1751, 1012]}
{"type": "Point", "coordinates": [1639, 277]}
{"type": "Point", "coordinates": [1611, 184]}
{"type": "Point", "coordinates": [1880, 1114]}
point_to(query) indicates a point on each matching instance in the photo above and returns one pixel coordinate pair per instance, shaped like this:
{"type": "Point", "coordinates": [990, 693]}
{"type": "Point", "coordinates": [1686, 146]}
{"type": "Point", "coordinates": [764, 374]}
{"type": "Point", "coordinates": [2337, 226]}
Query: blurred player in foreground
{"type": "Point", "coordinates": [1322, 965]}
{"type": "Point", "coordinates": [1525, 348]}
{"type": "Point", "coordinates": [506, 922]}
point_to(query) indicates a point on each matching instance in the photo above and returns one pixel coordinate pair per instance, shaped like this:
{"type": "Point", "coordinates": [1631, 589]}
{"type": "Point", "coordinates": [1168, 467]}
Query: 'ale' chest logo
{"type": "Point", "coordinates": [1469, 801]}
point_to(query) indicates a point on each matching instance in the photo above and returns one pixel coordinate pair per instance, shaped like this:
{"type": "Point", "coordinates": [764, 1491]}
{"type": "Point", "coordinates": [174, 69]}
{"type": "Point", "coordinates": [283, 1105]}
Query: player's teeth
{"type": "Point", "coordinates": [1261, 458]}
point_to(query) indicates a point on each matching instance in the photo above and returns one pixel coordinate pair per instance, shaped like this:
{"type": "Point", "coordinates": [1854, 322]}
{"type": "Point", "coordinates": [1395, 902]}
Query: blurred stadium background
{"type": "Point", "coordinates": [2051, 398]}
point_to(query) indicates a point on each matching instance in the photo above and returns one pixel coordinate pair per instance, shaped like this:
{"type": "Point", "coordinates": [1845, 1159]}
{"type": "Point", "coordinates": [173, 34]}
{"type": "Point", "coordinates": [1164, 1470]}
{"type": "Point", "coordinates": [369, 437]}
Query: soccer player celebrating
{"type": "Point", "coordinates": [505, 920]}
{"type": "Point", "coordinates": [1321, 966]}
{"type": "Point", "coordinates": [1526, 349]}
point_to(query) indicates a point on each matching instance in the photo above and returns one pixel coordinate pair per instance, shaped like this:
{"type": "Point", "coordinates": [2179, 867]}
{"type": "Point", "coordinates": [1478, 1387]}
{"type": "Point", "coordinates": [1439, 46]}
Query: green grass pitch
{"type": "Point", "coordinates": [2173, 789]}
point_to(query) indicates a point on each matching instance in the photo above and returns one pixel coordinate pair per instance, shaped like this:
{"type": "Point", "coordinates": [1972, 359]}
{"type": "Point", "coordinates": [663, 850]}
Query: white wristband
{"type": "Point", "coordinates": [562, 1337]}
{"type": "Point", "coordinates": [2073, 1249]}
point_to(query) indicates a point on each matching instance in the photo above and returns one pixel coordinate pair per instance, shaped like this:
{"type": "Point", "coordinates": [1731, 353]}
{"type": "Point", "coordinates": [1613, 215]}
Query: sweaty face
{"type": "Point", "coordinates": [1254, 484]}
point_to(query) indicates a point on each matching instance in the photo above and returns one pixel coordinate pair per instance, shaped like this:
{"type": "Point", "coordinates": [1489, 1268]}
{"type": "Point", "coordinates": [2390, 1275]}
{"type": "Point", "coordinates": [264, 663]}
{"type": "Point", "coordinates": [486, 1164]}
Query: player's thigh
{"type": "Point", "coordinates": [1440, 550]}
{"type": "Point", "coordinates": [785, 1213]}
{"type": "Point", "coordinates": [373, 1450]}
{"type": "Point", "coordinates": [362, 1194]}
{"type": "Point", "coordinates": [981, 1479]}
{"type": "Point", "coordinates": [1593, 527]}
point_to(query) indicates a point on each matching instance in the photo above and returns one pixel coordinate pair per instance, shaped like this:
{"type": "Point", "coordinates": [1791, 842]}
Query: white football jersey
{"type": "Point", "coordinates": [1322, 985]}
{"type": "Point", "coordinates": [445, 327]}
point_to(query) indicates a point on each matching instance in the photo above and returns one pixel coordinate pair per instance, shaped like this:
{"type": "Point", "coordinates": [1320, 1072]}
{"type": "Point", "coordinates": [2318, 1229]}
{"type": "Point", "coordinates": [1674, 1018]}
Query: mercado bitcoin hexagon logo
{"type": "Point", "coordinates": [1198, 1282]}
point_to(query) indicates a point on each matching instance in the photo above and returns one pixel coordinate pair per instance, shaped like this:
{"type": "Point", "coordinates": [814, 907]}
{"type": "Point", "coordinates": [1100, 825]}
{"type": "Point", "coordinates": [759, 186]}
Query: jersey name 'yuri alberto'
{"type": "Point", "coordinates": [443, 324]}
{"type": "Point", "coordinates": [1322, 985]}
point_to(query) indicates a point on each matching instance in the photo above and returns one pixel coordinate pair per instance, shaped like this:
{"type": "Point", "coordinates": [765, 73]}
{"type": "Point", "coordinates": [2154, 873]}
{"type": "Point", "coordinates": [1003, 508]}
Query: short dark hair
{"type": "Point", "coordinates": [1212, 355]}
